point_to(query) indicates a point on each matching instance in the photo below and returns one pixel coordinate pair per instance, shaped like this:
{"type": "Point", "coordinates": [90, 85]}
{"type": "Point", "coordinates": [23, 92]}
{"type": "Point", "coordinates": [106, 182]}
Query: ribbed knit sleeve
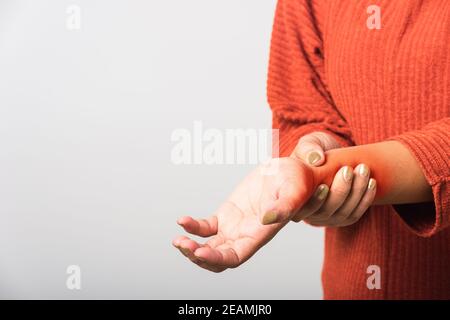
{"type": "Point", "coordinates": [431, 148]}
{"type": "Point", "coordinates": [296, 87]}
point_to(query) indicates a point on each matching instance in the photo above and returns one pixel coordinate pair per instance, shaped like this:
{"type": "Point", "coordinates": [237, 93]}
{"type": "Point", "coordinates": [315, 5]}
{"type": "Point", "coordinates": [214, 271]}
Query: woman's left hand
{"type": "Point", "coordinates": [350, 195]}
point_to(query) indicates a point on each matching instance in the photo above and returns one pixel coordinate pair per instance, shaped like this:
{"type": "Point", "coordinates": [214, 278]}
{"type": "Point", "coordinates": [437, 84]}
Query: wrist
{"type": "Point", "coordinates": [381, 170]}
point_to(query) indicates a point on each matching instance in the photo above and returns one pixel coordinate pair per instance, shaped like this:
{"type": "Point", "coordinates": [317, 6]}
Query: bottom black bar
{"type": "Point", "coordinates": [221, 309]}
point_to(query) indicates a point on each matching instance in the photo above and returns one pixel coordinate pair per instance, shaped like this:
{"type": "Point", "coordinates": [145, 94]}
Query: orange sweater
{"type": "Point", "coordinates": [329, 72]}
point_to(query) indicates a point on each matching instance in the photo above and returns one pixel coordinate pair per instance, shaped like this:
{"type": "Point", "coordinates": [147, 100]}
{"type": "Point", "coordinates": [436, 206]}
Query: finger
{"type": "Point", "coordinates": [188, 253]}
{"type": "Point", "coordinates": [310, 149]}
{"type": "Point", "coordinates": [187, 247]}
{"type": "Point", "coordinates": [200, 227]}
{"type": "Point", "coordinates": [364, 204]}
{"type": "Point", "coordinates": [176, 242]}
{"type": "Point", "coordinates": [212, 242]}
{"type": "Point", "coordinates": [340, 188]}
{"type": "Point", "coordinates": [359, 187]}
{"type": "Point", "coordinates": [313, 204]}
{"type": "Point", "coordinates": [225, 257]}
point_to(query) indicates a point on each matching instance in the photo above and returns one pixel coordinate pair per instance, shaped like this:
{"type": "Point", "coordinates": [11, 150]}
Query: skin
{"type": "Point", "coordinates": [346, 200]}
{"type": "Point", "coordinates": [235, 229]}
{"type": "Point", "coordinates": [271, 195]}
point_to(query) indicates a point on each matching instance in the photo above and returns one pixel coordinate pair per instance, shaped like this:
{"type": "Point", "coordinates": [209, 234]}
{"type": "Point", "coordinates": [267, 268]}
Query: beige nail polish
{"type": "Point", "coordinates": [372, 184]}
{"type": "Point", "coordinates": [313, 157]}
{"type": "Point", "coordinates": [185, 251]}
{"type": "Point", "coordinates": [321, 192]}
{"type": "Point", "coordinates": [347, 174]}
{"type": "Point", "coordinates": [199, 258]}
{"type": "Point", "coordinates": [269, 218]}
{"type": "Point", "coordinates": [363, 170]}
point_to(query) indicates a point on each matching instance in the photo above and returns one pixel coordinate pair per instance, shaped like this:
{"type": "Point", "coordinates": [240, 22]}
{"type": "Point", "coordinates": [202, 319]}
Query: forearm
{"type": "Point", "coordinates": [398, 175]}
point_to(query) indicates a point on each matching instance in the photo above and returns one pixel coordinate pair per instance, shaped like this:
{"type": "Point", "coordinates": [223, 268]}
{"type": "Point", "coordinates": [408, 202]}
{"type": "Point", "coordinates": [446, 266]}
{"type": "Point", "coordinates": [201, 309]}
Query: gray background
{"type": "Point", "coordinates": [86, 118]}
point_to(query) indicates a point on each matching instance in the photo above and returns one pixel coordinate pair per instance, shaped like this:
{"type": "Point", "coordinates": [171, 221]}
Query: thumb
{"type": "Point", "coordinates": [291, 197]}
{"type": "Point", "coordinates": [310, 149]}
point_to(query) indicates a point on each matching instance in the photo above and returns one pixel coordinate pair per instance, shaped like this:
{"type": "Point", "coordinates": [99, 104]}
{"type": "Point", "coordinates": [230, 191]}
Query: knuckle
{"type": "Point", "coordinates": [318, 136]}
{"type": "Point", "coordinates": [310, 140]}
{"type": "Point", "coordinates": [307, 137]}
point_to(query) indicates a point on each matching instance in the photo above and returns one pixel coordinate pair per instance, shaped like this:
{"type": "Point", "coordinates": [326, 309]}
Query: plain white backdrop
{"type": "Point", "coordinates": [86, 177]}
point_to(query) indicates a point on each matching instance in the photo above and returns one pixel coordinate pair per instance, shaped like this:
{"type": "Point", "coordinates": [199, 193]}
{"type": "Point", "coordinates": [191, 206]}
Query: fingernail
{"type": "Point", "coordinates": [199, 258]}
{"type": "Point", "coordinates": [185, 251]}
{"type": "Point", "coordinates": [372, 184]}
{"type": "Point", "coordinates": [269, 218]}
{"type": "Point", "coordinates": [363, 170]}
{"type": "Point", "coordinates": [321, 192]}
{"type": "Point", "coordinates": [313, 157]}
{"type": "Point", "coordinates": [347, 174]}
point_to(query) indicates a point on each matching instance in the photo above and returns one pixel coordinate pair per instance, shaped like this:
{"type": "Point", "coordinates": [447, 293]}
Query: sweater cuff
{"type": "Point", "coordinates": [431, 150]}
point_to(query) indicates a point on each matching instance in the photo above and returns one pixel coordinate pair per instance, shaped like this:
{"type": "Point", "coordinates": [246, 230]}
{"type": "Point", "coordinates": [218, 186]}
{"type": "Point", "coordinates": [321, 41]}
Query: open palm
{"type": "Point", "coordinates": [235, 231]}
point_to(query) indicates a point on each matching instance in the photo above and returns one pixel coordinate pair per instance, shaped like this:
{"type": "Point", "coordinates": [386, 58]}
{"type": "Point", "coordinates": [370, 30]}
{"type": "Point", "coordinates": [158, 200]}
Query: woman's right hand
{"type": "Point", "coordinates": [258, 208]}
{"type": "Point", "coordinates": [350, 194]}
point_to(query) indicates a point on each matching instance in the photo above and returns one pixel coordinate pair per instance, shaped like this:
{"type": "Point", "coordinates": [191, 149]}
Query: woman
{"type": "Point", "coordinates": [348, 98]}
